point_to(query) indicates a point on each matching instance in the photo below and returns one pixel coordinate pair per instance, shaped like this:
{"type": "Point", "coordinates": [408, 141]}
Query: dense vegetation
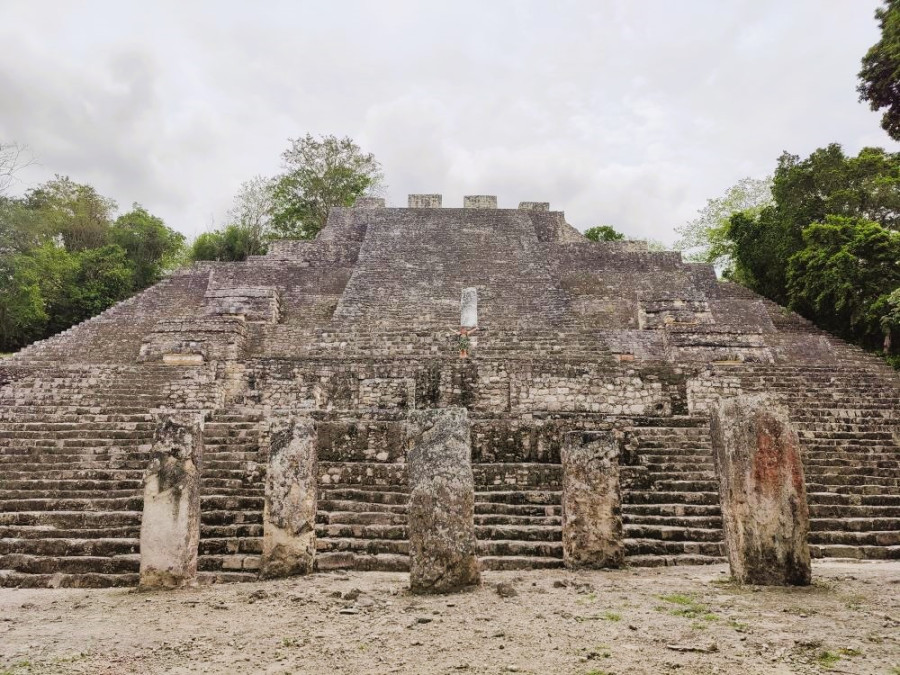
{"type": "Point", "coordinates": [65, 257]}
{"type": "Point", "coordinates": [317, 174]}
{"type": "Point", "coordinates": [822, 237]}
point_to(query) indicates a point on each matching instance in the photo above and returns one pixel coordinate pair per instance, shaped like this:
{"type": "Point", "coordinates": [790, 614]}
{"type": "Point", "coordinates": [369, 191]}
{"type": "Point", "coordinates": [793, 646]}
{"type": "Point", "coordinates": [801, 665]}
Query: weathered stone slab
{"type": "Point", "coordinates": [480, 202]}
{"type": "Point", "coordinates": [592, 512]}
{"type": "Point", "coordinates": [469, 308]}
{"type": "Point", "coordinates": [170, 527]}
{"type": "Point", "coordinates": [369, 203]}
{"type": "Point", "coordinates": [289, 515]}
{"type": "Point", "coordinates": [442, 502]}
{"type": "Point", "coordinates": [762, 490]}
{"type": "Point", "coordinates": [432, 201]}
{"type": "Point", "coordinates": [534, 206]}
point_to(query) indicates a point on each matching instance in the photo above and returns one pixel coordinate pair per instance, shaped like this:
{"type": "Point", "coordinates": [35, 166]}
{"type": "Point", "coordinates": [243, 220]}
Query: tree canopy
{"type": "Point", "coordinates": [63, 258]}
{"type": "Point", "coordinates": [879, 78]}
{"type": "Point", "coordinates": [603, 233]}
{"type": "Point", "coordinates": [826, 244]}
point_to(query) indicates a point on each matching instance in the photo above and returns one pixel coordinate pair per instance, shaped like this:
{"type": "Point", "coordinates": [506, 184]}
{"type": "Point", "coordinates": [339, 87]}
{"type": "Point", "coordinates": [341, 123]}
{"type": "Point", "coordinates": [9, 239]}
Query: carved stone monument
{"type": "Point", "coordinates": [592, 515]}
{"type": "Point", "coordinates": [765, 514]}
{"type": "Point", "coordinates": [442, 502]}
{"type": "Point", "coordinates": [170, 526]}
{"type": "Point", "coordinates": [289, 514]}
{"type": "Point", "coordinates": [469, 308]}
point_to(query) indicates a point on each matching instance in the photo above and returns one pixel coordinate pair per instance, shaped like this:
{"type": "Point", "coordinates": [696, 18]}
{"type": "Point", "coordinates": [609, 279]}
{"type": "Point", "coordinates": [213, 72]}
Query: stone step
{"type": "Point", "coordinates": [228, 563]}
{"type": "Point", "coordinates": [644, 546]}
{"type": "Point", "coordinates": [223, 517]}
{"type": "Point", "coordinates": [83, 564]}
{"type": "Point", "coordinates": [856, 538]}
{"type": "Point", "coordinates": [854, 498]}
{"type": "Point", "coordinates": [649, 560]}
{"type": "Point", "coordinates": [549, 497]}
{"type": "Point", "coordinates": [855, 552]}
{"type": "Point", "coordinates": [72, 504]}
{"type": "Point", "coordinates": [507, 547]}
{"type": "Point", "coordinates": [671, 510]}
{"type": "Point", "coordinates": [362, 531]}
{"type": "Point", "coordinates": [367, 546]}
{"type": "Point", "coordinates": [501, 509]}
{"type": "Point", "coordinates": [15, 579]}
{"type": "Point", "coordinates": [100, 547]}
{"type": "Point", "coordinates": [509, 562]}
{"type": "Point", "coordinates": [332, 517]}
{"type": "Point", "coordinates": [394, 495]}
{"type": "Point", "coordinates": [381, 562]}
{"type": "Point", "coordinates": [343, 505]}
{"type": "Point", "coordinates": [701, 522]}
{"type": "Point", "coordinates": [229, 545]}
{"type": "Point", "coordinates": [670, 497]}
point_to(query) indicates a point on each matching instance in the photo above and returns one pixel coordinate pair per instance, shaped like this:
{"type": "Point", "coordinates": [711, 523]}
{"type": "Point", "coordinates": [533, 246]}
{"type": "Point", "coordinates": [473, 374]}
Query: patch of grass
{"type": "Point", "coordinates": [687, 606]}
{"type": "Point", "coordinates": [827, 659]}
{"type": "Point", "coordinates": [611, 616]}
{"type": "Point", "coordinates": [17, 668]}
{"type": "Point", "coordinates": [849, 651]}
{"type": "Point", "coordinates": [738, 626]}
{"type": "Point", "coordinates": [289, 642]}
{"type": "Point", "coordinates": [596, 672]}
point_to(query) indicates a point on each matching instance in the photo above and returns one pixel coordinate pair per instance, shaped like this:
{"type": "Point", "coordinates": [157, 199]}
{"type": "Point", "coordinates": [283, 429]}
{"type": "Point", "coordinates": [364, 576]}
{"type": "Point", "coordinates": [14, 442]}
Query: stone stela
{"type": "Point", "coordinates": [308, 410]}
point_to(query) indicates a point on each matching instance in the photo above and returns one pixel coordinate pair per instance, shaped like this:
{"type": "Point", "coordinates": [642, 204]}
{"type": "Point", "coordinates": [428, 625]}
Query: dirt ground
{"type": "Point", "coordinates": [680, 620]}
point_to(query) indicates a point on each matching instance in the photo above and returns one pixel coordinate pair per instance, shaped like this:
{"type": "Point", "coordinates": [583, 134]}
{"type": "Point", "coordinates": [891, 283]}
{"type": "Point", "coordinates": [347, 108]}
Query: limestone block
{"type": "Point", "coordinates": [424, 201]}
{"type": "Point", "coordinates": [480, 202]}
{"type": "Point", "coordinates": [442, 502]}
{"type": "Point", "coordinates": [170, 527]}
{"type": "Point", "coordinates": [765, 514]}
{"type": "Point", "coordinates": [469, 308]}
{"type": "Point", "coordinates": [592, 512]}
{"type": "Point", "coordinates": [369, 203]}
{"type": "Point", "coordinates": [289, 514]}
{"type": "Point", "coordinates": [534, 206]}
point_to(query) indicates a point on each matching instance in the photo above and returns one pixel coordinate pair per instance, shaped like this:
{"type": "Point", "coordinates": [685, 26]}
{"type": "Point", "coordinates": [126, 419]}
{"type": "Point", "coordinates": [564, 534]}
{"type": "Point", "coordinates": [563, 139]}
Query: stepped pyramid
{"type": "Point", "coordinates": [355, 329]}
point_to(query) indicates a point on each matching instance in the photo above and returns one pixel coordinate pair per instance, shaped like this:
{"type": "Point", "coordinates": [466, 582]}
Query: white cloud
{"type": "Point", "coordinates": [629, 114]}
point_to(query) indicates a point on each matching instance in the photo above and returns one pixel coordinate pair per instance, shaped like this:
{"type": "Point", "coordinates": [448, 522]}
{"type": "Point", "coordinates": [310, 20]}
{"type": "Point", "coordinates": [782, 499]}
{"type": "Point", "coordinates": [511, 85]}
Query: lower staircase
{"type": "Point", "coordinates": [232, 496]}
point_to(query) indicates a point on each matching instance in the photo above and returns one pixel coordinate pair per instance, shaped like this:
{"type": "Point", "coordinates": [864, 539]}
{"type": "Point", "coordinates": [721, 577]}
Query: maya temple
{"type": "Point", "coordinates": [440, 391]}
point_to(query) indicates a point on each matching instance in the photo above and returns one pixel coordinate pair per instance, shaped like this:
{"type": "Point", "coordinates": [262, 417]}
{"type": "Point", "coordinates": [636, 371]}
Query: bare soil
{"type": "Point", "coordinates": [682, 619]}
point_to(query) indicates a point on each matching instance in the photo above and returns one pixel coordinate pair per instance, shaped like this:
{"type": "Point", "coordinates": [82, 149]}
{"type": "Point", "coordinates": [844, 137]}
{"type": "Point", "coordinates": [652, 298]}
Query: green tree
{"type": "Point", "coordinates": [844, 274]}
{"type": "Point", "coordinates": [879, 79]}
{"type": "Point", "coordinates": [603, 233]}
{"type": "Point", "coordinates": [890, 320]}
{"type": "Point", "coordinates": [705, 238]}
{"type": "Point", "coordinates": [318, 174]}
{"type": "Point", "coordinates": [23, 317]}
{"type": "Point", "coordinates": [252, 211]}
{"type": "Point", "coordinates": [73, 210]}
{"type": "Point", "coordinates": [150, 246]}
{"type": "Point", "coordinates": [230, 244]}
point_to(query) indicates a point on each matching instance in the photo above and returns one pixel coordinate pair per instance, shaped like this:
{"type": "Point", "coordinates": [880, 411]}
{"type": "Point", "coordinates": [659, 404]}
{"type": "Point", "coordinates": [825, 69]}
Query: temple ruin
{"type": "Point", "coordinates": [300, 383]}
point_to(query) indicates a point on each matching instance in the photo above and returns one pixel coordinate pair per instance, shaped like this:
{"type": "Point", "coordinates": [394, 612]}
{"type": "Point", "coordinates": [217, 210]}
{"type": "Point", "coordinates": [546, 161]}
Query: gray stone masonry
{"type": "Point", "coordinates": [480, 202]}
{"type": "Point", "coordinates": [441, 502]}
{"type": "Point", "coordinates": [762, 492]}
{"type": "Point", "coordinates": [591, 501]}
{"type": "Point", "coordinates": [170, 527]}
{"type": "Point", "coordinates": [289, 516]}
{"type": "Point", "coordinates": [355, 329]}
{"type": "Point", "coordinates": [424, 201]}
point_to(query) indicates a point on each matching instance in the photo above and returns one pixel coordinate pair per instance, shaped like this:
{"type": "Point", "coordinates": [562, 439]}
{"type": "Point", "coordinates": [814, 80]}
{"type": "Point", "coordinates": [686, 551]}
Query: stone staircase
{"type": "Point", "coordinates": [74, 449]}
{"type": "Point", "coordinates": [670, 495]}
{"type": "Point", "coordinates": [232, 495]}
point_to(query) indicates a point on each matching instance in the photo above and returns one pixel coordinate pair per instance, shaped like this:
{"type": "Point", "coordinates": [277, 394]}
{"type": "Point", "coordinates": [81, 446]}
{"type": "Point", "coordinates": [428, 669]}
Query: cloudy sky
{"type": "Point", "coordinates": [618, 112]}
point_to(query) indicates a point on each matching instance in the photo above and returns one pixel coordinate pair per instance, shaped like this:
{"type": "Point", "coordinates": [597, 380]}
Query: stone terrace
{"type": "Point", "coordinates": [355, 329]}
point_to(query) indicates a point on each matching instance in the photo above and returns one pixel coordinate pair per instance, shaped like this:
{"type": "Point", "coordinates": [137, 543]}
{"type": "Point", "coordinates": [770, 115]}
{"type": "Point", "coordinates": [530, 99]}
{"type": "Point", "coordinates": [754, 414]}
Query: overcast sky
{"type": "Point", "coordinates": [624, 113]}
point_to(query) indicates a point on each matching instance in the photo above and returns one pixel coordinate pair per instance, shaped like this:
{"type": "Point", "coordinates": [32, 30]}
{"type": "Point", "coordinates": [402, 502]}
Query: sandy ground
{"type": "Point", "coordinates": [684, 620]}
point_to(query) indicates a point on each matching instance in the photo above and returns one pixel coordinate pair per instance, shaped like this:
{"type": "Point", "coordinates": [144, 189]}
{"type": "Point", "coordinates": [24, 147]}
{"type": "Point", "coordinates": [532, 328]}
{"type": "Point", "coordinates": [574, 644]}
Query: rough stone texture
{"type": "Point", "coordinates": [441, 502]}
{"type": "Point", "coordinates": [534, 206]}
{"type": "Point", "coordinates": [480, 202]}
{"type": "Point", "coordinates": [370, 203]}
{"type": "Point", "coordinates": [432, 201]}
{"type": "Point", "coordinates": [170, 527]}
{"type": "Point", "coordinates": [762, 492]}
{"type": "Point", "coordinates": [591, 501]}
{"type": "Point", "coordinates": [256, 304]}
{"type": "Point", "coordinates": [469, 308]}
{"type": "Point", "coordinates": [289, 516]}
{"type": "Point", "coordinates": [573, 335]}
